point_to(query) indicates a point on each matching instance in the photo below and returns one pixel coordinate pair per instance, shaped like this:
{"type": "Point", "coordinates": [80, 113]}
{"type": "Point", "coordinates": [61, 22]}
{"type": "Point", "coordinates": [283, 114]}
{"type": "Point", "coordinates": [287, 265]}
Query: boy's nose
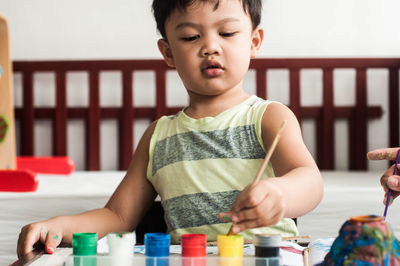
{"type": "Point", "coordinates": [210, 48]}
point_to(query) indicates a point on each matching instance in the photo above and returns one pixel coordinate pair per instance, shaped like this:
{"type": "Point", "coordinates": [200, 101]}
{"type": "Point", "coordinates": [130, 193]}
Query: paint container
{"type": "Point", "coordinates": [157, 249]}
{"type": "Point", "coordinates": [194, 249]}
{"type": "Point", "coordinates": [267, 249]}
{"type": "Point", "coordinates": [84, 248]}
{"type": "Point", "coordinates": [121, 247]}
{"type": "Point", "coordinates": [230, 250]}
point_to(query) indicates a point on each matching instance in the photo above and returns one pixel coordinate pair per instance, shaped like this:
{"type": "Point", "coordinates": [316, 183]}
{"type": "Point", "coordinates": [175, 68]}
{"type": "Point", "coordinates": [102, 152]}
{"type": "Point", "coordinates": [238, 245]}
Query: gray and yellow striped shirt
{"type": "Point", "coordinates": [199, 166]}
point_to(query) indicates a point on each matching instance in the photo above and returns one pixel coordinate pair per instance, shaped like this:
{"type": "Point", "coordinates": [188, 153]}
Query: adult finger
{"type": "Point", "coordinates": [394, 182]}
{"type": "Point", "coordinates": [383, 154]}
{"type": "Point", "coordinates": [385, 177]}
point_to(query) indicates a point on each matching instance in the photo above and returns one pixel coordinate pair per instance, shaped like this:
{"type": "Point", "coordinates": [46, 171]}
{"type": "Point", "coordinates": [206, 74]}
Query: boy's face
{"type": "Point", "coordinates": [211, 49]}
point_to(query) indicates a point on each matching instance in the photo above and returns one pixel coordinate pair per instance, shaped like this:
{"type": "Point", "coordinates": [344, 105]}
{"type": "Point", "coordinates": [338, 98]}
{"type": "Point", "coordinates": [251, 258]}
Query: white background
{"type": "Point", "coordinates": [122, 29]}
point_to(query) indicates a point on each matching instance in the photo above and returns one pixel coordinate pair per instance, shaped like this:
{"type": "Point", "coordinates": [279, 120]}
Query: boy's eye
{"type": "Point", "coordinates": [227, 34]}
{"type": "Point", "coordinates": [190, 38]}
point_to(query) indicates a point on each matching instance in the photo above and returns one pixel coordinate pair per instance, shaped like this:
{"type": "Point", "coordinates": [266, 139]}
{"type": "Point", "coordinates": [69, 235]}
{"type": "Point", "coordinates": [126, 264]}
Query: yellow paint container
{"type": "Point", "coordinates": [230, 250]}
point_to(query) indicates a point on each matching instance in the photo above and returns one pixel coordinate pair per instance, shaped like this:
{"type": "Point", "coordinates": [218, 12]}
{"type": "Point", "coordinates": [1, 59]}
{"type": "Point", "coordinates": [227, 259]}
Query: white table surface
{"type": "Point", "coordinates": [56, 195]}
{"type": "Point", "coordinates": [346, 194]}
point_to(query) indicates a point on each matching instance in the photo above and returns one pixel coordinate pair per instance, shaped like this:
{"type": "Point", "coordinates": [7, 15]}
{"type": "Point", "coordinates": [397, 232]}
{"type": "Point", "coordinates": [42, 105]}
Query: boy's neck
{"type": "Point", "coordinates": [201, 106]}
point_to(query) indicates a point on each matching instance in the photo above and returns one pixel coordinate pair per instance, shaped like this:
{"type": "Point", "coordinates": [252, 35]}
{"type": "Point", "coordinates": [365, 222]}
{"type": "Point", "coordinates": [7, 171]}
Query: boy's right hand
{"type": "Point", "coordinates": [41, 232]}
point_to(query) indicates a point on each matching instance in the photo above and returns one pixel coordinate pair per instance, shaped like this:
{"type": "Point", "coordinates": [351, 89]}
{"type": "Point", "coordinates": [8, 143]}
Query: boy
{"type": "Point", "coordinates": [200, 160]}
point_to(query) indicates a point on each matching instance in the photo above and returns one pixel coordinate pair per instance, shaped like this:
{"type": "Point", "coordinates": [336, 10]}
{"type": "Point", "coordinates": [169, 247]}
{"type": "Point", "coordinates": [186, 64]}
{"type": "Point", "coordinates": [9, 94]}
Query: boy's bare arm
{"type": "Point", "coordinates": [129, 202]}
{"type": "Point", "coordinates": [298, 187]}
{"type": "Point", "coordinates": [123, 211]}
{"type": "Point", "coordinates": [300, 179]}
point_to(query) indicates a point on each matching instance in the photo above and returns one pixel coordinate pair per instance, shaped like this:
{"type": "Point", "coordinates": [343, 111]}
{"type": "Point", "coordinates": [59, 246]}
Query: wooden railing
{"type": "Point", "coordinates": [324, 115]}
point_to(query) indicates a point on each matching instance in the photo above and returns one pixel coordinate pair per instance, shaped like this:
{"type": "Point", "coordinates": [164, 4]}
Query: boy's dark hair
{"type": "Point", "coordinates": [162, 9]}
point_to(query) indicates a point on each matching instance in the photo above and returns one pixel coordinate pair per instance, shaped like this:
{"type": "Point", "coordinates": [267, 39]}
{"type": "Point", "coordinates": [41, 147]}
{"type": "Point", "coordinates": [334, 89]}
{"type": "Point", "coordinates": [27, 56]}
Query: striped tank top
{"type": "Point", "coordinates": [199, 166]}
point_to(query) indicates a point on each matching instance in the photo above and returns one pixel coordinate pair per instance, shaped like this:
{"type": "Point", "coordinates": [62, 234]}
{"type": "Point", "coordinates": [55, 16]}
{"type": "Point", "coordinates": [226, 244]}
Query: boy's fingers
{"type": "Point", "coordinates": [27, 238]}
{"type": "Point", "coordinates": [383, 154]}
{"type": "Point", "coordinates": [250, 198]}
{"type": "Point", "coordinates": [245, 225]}
{"type": "Point", "coordinates": [53, 239]}
{"type": "Point", "coordinates": [225, 217]}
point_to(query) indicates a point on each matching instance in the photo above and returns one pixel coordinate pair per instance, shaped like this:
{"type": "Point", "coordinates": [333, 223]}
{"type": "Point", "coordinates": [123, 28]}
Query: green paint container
{"type": "Point", "coordinates": [84, 246]}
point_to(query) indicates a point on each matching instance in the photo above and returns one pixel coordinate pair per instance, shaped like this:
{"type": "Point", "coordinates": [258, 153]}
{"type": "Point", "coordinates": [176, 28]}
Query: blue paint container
{"type": "Point", "coordinates": [157, 244]}
{"type": "Point", "coordinates": [157, 249]}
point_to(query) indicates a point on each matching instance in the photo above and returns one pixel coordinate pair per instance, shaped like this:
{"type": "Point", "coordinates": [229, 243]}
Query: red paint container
{"type": "Point", "coordinates": [194, 245]}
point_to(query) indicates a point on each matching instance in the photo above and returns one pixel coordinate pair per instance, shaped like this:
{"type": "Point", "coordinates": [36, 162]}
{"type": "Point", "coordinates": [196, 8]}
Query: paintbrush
{"type": "Point", "coordinates": [390, 191]}
{"type": "Point", "coordinates": [266, 160]}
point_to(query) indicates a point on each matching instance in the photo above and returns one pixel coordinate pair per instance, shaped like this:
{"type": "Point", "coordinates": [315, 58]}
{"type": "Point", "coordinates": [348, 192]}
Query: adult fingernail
{"type": "Point", "coordinates": [394, 182]}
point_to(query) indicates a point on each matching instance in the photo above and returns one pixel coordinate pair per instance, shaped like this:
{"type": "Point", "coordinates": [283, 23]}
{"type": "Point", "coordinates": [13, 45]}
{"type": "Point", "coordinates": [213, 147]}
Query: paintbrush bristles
{"type": "Point", "coordinates": [266, 160]}
{"type": "Point", "coordinates": [269, 153]}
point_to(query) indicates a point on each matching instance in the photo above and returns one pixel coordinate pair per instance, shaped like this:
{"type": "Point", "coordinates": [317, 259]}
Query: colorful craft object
{"type": "Point", "coordinates": [364, 240]}
{"type": "Point", "coordinates": [3, 128]}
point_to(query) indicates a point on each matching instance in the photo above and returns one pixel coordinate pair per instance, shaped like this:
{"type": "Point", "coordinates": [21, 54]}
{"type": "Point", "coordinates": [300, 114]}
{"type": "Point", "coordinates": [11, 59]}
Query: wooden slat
{"type": "Point", "coordinates": [126, 140]}
{"type": "Point", "coordinates": [28, 114]}
{"type": "Point", "coordinates": [394, 110]}
{"type": "Point", "coordinates": [261, 83]}
{"type": "Point", "coordinates": [294, 97]}
{"type": "Point", "coordinates": [340, 112]}
{"type": "Point", "coordinates": [301, 63]}
{"type": "Point", "coordinates": [93, 124]}
{"type": "Point", "coordinates": [60, 116]}
{"type": "Point", "coordinates": [161, 91]}
{"type": "Point", "coordinates": [325, 129]}
{"type": "Point", "coordinates": [358, 125]}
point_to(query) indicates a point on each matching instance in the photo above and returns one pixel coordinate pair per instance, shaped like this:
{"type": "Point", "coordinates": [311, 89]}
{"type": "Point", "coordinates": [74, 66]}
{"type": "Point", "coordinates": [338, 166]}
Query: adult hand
{"type": "Point", "coordinates": [388, 180]}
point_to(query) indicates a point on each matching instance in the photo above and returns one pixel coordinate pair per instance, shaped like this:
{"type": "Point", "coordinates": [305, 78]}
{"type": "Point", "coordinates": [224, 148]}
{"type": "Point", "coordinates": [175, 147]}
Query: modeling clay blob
{"type": "Point", "coordinates": [364, 240]}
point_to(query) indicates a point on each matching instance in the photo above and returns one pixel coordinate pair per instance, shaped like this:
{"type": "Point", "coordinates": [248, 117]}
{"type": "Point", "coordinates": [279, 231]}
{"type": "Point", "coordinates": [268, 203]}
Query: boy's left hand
{"type": "Point", "coordinates": [257, 205]}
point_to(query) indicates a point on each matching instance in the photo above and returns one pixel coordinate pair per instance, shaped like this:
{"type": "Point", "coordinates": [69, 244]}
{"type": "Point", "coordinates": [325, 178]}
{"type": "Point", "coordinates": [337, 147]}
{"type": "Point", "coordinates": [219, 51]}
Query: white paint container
{"type": "Point", "coordinates": [121, 246]}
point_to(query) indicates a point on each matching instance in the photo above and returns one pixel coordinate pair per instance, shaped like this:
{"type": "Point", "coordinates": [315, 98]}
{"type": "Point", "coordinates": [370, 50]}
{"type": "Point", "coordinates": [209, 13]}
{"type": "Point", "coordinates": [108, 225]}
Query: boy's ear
{"type": "Point", "coordinates": [165, 50]}
{"type": "Point", "coordinates": [256, 41]}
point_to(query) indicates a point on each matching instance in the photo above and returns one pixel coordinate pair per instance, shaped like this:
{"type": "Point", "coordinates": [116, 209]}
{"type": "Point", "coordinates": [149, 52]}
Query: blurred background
{"type": "Point", "coordinates": [122, 29]}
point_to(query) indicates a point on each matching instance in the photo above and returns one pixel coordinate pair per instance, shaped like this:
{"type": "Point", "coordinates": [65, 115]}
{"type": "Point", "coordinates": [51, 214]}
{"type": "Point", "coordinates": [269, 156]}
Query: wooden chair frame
{"type": "Point", "coordinates": [324, 115]}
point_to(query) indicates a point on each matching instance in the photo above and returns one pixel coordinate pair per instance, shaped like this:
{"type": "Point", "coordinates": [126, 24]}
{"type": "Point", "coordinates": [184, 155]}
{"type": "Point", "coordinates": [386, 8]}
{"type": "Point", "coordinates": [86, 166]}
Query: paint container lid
{"type": "Point", "coordinates": [267, 240]}
{"type": "Point", "coordinates": [84, 244]}
{"type": "Point", "coordinates": [194, 239]}
{"type": "Point", "coordinates": [194, 245]}
{"type": "Point", "coordinates": [157, 244]}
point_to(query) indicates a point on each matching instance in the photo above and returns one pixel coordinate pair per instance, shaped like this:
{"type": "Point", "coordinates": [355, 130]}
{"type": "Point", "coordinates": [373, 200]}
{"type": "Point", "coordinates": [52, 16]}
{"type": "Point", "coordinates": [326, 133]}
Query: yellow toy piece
{"type": "Point", "coordinates": [7, 128]}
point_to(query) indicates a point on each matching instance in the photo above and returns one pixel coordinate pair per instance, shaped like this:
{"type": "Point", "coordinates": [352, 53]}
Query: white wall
{"type": "Point", "coordinates": [122, 29]}
{"type": "Point", "coordinates": [54, 29]}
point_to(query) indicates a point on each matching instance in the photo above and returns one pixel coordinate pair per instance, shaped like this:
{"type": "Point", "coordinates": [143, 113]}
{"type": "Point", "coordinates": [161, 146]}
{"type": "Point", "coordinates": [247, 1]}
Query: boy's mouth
{"type": "Point", "coordinates": [212, 69]}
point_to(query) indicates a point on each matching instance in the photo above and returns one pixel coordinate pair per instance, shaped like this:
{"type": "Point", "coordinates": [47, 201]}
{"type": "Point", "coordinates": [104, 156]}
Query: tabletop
{"type": "Point", "coordinates": [346, 194]}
